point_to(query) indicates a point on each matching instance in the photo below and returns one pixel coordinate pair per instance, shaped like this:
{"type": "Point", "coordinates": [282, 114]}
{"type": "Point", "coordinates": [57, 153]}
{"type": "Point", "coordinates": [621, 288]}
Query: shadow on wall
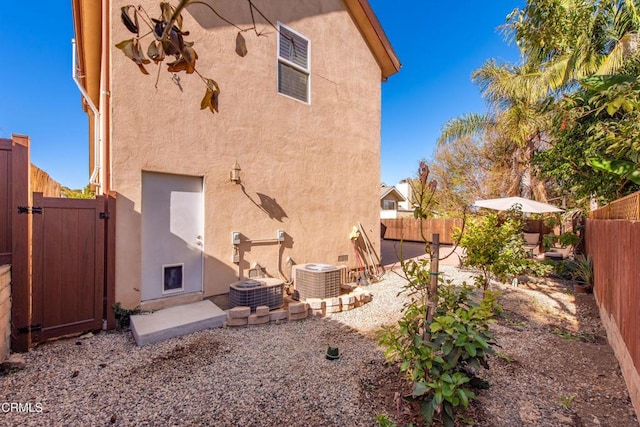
{"type": "Point", "coordinates": [267, 204]}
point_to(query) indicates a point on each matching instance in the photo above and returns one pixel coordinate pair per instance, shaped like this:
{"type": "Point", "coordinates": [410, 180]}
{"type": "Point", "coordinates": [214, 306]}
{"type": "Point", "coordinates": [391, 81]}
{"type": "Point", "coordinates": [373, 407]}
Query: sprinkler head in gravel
{"type": "Point", "coordinates": [333, 353]}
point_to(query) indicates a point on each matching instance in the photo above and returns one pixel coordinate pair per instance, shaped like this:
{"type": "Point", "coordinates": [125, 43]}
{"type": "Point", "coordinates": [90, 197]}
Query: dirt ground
{"type": "Point", "coordinates": [555, 367]}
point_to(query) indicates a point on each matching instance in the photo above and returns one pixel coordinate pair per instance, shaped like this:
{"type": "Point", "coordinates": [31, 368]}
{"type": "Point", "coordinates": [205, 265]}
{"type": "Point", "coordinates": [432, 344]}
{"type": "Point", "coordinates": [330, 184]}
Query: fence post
{"type": "Point", "coordinates": [433, 285]}
{"type": "Point", "coordinates": [20, 243]}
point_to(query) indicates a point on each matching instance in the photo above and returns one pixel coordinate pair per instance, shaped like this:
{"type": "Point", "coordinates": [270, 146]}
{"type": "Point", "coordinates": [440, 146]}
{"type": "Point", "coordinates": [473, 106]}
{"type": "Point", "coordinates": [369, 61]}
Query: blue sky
{"type": "Point", "coordinates": [439, 44]}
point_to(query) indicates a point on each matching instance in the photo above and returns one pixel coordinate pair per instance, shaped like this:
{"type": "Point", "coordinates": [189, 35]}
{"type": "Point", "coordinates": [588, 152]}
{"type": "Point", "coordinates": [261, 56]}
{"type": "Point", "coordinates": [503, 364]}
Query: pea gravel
{"type": "Point", "coordinates": [257, 376]}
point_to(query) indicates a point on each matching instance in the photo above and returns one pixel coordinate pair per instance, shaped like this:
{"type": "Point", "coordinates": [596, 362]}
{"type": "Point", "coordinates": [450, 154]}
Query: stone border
{"type": "Point", "coordinates": [297, 310]}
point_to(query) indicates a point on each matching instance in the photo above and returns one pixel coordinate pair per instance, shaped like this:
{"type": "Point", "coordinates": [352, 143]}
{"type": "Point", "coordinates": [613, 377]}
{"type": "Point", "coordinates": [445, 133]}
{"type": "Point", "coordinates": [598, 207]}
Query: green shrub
{"type": "Point", "coordinates": [565, 239]}
{"type": "Point", "coordinates": [123, 316]}
{"type": "Point", "coordinates": [497, 248]}
{"type": "Point", "coordinates": [441, 363]}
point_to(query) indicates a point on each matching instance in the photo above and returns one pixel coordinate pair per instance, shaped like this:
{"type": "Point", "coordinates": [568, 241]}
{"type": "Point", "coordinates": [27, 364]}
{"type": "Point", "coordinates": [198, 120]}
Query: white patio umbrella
{"type": "Point", "coordinates": [526, 205]}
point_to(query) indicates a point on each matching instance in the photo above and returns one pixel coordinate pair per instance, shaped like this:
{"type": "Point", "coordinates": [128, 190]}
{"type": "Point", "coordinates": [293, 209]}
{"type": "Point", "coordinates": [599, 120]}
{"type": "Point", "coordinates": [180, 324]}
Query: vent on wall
{"type": "Point", "coordinates": [317, 281]}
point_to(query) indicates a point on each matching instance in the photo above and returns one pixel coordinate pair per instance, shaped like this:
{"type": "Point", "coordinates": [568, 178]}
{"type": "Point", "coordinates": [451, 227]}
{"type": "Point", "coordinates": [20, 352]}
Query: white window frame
{"type": "Point", "coordinates": [306, 71]}
{"type": "Point", "coordinates": [392, 202]}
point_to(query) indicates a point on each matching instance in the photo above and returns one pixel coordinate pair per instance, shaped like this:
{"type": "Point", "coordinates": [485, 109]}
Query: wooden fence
{"type": "Point", "coordinates": [625, 208]}
{"type": "Point", "coordinates": [5, 201]}
{"type": "Point", "coordinates": [41, 182]}
{"type": "Point", "coordinates": [409, 229]}
{"type": "Point", "coordinates": [615, 249]}
{"type": "Point", "coordinates": [61, 253]}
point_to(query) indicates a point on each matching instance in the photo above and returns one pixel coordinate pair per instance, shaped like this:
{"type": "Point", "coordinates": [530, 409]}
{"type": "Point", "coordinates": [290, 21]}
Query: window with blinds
{"type": "Point", "coordinates": [293, 64]}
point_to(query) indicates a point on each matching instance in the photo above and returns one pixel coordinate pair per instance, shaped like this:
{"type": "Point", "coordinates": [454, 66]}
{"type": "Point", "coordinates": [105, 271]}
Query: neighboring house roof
{"type": "Point", "coordinates": [387, 192]}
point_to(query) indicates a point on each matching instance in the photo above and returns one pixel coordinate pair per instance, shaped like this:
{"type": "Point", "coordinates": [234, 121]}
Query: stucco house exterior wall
{"type": "Point", "coordinates": [294, 157]}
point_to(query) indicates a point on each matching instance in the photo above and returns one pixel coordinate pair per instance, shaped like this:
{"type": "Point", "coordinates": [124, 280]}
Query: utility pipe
{"type": "Point", "coordinates": [97, 137]}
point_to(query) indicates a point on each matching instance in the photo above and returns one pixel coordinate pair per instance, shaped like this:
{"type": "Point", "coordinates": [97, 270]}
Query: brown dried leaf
{"type": "Point", "coordinates": [210, 99]}
{"type": "Point", "coordinates": [190, 56]}
{"type": "Point", "coordinates": [167, 13]}
{"type": "Point", "coordinates": [241, 45]}
{"type": "Point", "coordinates": [126, 46]}
{"type": "Point", "coordinates": [132, 50]}
{"type": "Point", "coordinates": [177, 65]}
{"type": "Point", "coordinates": [166, 10]}
{"type": "Point", "coordinates": [155, 52]}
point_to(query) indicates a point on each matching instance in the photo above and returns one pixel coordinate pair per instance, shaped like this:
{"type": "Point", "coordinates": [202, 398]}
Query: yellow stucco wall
{"type": "Point", "coordinates": [320, 163]}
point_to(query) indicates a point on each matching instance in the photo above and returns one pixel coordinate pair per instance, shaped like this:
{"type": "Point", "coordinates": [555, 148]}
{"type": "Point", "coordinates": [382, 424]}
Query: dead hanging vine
{"type": "Point", "coordinates": [169, 41]}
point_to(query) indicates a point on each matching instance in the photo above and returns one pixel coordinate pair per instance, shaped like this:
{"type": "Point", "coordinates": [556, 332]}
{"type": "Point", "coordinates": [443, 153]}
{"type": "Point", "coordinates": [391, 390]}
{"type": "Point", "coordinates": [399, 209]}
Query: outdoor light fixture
{"type": "Point", "coordinates": [235, 173]}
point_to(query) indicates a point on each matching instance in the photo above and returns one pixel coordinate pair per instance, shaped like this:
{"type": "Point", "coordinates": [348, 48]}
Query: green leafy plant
{"type": "Point", "coordinates": [567, 401]}
{"type": "Point", "coordinates": [442, 363]}
{"type": "Point", "coordinates": [564, 240]}
{"type": "Point", "coordinates": [123, 315]}
{"type": "Point", "coordinates": [551, 221]}
{"type": "Point", "coordinates": [383, 420]}
{"type": "Point", "coordinates": [496, 248]}
{"type": "Point", "coordinates": [85, 193]}
{"type": "Point", "coordinates": [582, 269]}
{"type": "Point", "coordinates": [560, 268]}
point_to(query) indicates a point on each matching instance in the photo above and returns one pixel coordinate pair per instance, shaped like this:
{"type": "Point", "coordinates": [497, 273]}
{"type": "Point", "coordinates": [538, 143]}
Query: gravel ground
{"type": "Point", "coordinates": [258, 376]}
{"type": "Point", "coordinates": [278, 375]}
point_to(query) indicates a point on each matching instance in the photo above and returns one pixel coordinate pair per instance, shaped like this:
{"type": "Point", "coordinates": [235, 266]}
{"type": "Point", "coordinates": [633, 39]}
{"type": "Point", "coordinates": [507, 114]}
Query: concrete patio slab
{"type": "Point", "coordinates": [176, 321]}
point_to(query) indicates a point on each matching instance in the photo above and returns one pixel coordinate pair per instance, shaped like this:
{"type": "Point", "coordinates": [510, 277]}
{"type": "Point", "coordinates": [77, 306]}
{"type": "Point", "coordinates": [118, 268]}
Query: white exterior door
{"type": "Point", "coordinates": [172, 235]}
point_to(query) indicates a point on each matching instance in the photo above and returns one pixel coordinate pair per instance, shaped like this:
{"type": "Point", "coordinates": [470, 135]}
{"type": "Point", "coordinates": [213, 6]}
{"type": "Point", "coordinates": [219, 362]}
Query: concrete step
{"type": "Point", "coordinates": [176, 321]}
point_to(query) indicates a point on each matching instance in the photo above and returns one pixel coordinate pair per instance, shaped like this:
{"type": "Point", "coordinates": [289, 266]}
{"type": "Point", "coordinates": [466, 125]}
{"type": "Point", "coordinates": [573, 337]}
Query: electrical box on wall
{"type": "Point", "coordinates": [280, 235]}
{"type": "Point", "coordinates": [235, 237]}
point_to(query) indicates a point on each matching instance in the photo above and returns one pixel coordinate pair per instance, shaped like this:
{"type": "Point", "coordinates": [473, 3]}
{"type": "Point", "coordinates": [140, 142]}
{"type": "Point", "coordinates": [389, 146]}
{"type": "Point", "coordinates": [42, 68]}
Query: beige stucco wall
{"type": "Point", "coordinates": [5, 310]}
{"type": "Point", "coordinates": [320, 163]}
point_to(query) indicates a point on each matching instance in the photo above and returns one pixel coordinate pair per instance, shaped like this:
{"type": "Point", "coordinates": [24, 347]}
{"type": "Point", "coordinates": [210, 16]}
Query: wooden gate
{"type": "Point", "coordinates": [68, 266]}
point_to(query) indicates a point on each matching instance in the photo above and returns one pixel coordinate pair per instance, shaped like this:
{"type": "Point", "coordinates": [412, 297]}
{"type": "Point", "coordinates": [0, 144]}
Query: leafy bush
{"type": "Point", "coordinates": [565, 239]}
{"type": "Point", "coordinates": [441, 358]}
{"type": "Point", "coordinates": [496, 247]}
{"type": "Point", "coordinates": [561, 268]}
{"type": "Point", "coordinates": [123, 316]}
{"type": "Point", "coordinates": [582, 270]}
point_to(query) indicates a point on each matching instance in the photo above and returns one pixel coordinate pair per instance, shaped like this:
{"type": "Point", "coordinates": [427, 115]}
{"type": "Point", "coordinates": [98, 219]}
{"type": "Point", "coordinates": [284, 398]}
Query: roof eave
{"type": "Point", "coordinates": [87, 16]}
{"type": "Point", "coordinates": [375, 37]}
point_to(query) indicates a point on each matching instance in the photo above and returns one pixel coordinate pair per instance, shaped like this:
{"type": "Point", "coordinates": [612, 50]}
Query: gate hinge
{"type": "Point", "coordinates": [104, 215]}
{"type": "Point", "coordinates": [29, 210]}
{"type": "Point", "coordinates": [30, 328]}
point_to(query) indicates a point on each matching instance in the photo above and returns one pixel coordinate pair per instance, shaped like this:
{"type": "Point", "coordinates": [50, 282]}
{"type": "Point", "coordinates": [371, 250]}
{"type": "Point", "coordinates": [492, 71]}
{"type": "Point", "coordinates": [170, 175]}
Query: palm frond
{"type": "Point", "coordinates": [466, 126]}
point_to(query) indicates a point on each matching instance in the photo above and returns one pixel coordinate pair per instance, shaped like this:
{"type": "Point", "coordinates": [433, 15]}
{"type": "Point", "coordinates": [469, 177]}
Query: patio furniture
{"type": "Point", "coordinates": [559, 254]}
{"type": "Point", "coordinates": [532, 243]}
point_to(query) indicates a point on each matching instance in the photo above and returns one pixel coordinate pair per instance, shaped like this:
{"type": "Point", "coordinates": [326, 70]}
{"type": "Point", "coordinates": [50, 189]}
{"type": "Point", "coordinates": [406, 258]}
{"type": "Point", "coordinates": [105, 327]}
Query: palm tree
{"type": "Point", "coordinates": [515, 123]}
{"type": "Point", "coordinates": [571, 39]}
